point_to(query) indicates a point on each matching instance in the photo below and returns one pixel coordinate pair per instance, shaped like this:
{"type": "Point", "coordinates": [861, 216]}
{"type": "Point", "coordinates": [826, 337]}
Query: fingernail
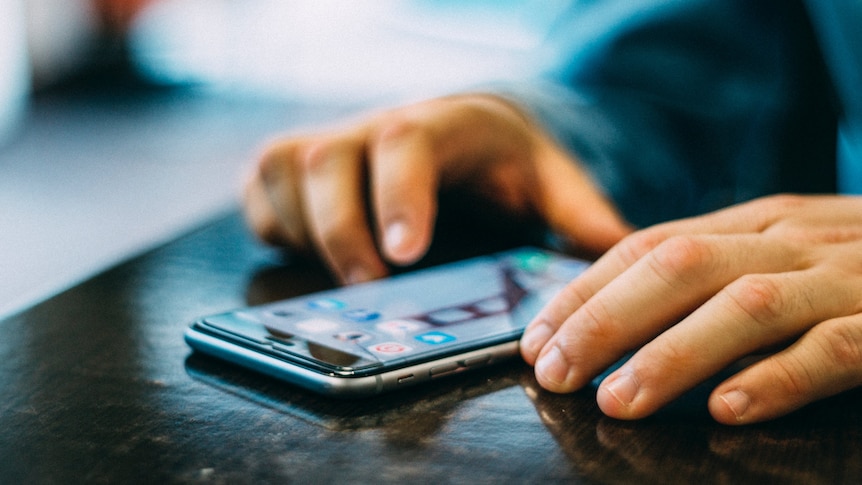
{"type": "Point", "coordinates": [357, 274]}
{"type": "Point", "coordinates": [535, 338]}
{"type": "Point", "coordinates": [552, 367]}
{"type": "Point", "coordinates": [623, 388]}
{"type": "Point", "coordinates": [395, 238]}
{"type": "Point", "coordinates": [737, 401]}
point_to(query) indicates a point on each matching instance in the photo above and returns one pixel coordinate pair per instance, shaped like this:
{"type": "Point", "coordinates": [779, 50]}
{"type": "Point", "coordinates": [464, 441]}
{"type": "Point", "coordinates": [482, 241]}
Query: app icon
{"type": "Point", "coordinates": [399, 327]}
{"type": "Point", "coordinates": [390, 348]}
{"type": "Point", "coordinates": [532, 261]}
{"type": "Point", "coordinates": [282, 313]}
{"type": "Point", "coordinates": [317, 325]}
{"type": "Point", "coordinates": [361, 315]}
{"type": "Point", "coordinates": [450, 315]}
{"type": "Point", "coordinates": [435, 338]}
{"type": "Point", "coordinates": [352, 336]}
{"type": "Point", "coordinates": [326, 304]}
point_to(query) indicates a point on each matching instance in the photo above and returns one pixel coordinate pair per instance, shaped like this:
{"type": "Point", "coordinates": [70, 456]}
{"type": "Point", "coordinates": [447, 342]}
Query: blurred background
{"type": "Point", "coordinates": [124, 123]}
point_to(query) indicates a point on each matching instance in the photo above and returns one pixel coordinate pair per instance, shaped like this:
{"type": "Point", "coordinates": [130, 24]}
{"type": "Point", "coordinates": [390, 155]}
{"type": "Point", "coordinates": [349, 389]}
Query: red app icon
{"type": "Point", "coordinates": [389, 348]}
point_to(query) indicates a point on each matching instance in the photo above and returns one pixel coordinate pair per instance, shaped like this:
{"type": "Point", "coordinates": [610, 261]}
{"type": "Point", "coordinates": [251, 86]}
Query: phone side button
{"type": "Point", "coordinates": [406, 379]}
{"type": "Point", "coordinates": [444, 369]}
{"type": "Point", "coordinates": [477, 361]}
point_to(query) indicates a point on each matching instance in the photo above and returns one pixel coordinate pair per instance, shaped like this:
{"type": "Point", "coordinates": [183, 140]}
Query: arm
{"type": "Point", "coordinates": [678, 108]}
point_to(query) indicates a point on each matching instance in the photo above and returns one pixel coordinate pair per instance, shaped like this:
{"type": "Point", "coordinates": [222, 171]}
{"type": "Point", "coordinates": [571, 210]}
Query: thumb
{"type": "Point", "coordinates": [573, 206]}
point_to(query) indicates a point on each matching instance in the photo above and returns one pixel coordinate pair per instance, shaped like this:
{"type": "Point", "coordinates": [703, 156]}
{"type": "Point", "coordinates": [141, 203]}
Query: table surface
{"type": "Point", "coordinates": [95, 175]}
{"type": "Point", "coordinates": [98, 386]}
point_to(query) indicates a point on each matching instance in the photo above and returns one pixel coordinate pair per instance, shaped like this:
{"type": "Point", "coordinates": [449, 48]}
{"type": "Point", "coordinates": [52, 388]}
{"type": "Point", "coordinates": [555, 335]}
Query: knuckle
{"type": "Point", "coordinates": [674, 355]}
{"type": "Point", "coordinates": [835, 354]}
{"type": "Point", "coordinates": [771, 212]}
{"type": "Point", "coordinates": [276, 158]}
{"type": "Point", "coordinates": [682, 258]}
{"type": "Point", "coordinates": [400, 128]}
{"type": "Point", "coordinates": [575, 293]}
{"type": "Point", "coordinates": [317, 153]}
{"type": "Point", "coordinates": [779, 203]}
{"type": "Point", "coordinates": [793, 377]}
{"type": "Point", "coordinates": [595, 322]}
{"type": "Point", "coordinates": [634, 246]}
{"type": "Point", "coordinates": [842, 343]}
{"type": "Point", "coordinates": [397, 127]}
{"type": "Point", "coordinates": [759, 297]}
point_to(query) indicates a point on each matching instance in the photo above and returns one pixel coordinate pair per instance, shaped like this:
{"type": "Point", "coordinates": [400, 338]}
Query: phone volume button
{"type": "Point", "coordinates": [476, 361]}
{"type": "Point", "coordinates": [405, 379]}
{"type": "Point", "coordinates": [444, 369]}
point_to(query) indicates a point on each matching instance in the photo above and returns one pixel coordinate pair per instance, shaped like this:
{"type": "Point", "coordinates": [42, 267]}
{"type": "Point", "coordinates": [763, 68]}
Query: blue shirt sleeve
{"type": "Point", "coordinates": [837, 23]}
{"type": "Point", "coordinates": [683, 106]}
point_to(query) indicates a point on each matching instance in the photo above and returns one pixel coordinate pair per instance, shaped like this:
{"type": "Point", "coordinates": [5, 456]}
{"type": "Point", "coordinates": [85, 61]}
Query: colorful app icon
{"type": "Point", "coordinates": [531, 261]}
{"type": "Point", "coordinates": [326, 304]}
{"type": "Point", "coordinates": [435, 338]}
{"type": "Point", "coordinates": [317, 325]}
{"type": "Point", "coordinates": [282, 313]}
{"type": "Point", "coordinates": [353, 336]}
{"type": "Point", "coordinates": [361, 315]}
{"type": "Point", "coordinates": [390, 348]}
{"type": "Point", "coordinates": [450, 315]}
{"type": "Point", "coordinates": [400, 327]}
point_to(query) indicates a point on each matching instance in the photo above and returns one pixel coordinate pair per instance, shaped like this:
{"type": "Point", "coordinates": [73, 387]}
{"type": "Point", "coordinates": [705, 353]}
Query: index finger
{"type": "Point", "coordinates": [740, 219]}
{"type": "Point", "coordinates": [333, 185]}
{"type": "Point", "coordinates": [404, 179]}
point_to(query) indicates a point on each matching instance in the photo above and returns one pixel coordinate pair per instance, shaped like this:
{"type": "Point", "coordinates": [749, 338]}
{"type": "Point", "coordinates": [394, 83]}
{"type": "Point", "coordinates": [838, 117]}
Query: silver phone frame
{"type": "Point", "coordinates": [330, 384]}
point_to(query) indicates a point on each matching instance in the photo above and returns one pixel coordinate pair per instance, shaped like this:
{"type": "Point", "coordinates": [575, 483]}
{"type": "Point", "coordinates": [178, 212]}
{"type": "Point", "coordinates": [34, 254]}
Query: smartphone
{"type": "Point", "coordinates": [370, 338]}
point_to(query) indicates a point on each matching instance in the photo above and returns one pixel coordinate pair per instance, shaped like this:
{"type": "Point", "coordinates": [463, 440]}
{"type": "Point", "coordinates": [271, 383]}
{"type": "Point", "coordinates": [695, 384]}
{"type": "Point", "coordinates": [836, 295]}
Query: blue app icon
{"type": "Point", "coordinates": [326, 304]}
{"type": "Point", "coordinates": [361, 315]}
{"type": "Point", "coordinates": [435, 338]}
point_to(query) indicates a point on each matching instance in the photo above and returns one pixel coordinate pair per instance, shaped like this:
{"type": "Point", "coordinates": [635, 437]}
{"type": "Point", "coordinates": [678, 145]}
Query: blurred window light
{"type": "Point", "coordinates": [14, 67]}
{"type": "Point", "coordinates": [341, 51]}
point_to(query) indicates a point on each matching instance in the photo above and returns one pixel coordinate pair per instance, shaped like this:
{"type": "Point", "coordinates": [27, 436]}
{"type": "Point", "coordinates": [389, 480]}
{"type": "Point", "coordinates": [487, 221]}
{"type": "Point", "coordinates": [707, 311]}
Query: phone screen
{"type": "Point", "coordinates": [414, 317]}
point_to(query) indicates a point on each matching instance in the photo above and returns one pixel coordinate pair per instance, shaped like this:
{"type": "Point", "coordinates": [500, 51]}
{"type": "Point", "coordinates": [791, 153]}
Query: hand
{"type": "Point", "coordinates": [309, 193]}
{"type": "Point", "coordinates": [781, 274]}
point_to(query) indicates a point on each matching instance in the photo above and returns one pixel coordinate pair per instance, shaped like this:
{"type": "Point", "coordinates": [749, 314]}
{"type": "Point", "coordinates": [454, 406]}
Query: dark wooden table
{"type": "Point", "coordinates": [98, 386]}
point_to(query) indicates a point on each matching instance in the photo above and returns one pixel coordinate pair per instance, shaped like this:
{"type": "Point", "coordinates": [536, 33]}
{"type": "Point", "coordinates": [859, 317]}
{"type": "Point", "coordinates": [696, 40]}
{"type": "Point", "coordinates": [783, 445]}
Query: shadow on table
{"type": "Point", "coordinates": [424, 407]}
{"type": "Point", "coordinates": [682, 444]}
